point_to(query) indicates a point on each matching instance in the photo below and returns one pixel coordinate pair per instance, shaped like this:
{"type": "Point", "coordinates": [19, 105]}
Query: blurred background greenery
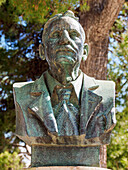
{"type": "Point", "coordinates": [21, 26]}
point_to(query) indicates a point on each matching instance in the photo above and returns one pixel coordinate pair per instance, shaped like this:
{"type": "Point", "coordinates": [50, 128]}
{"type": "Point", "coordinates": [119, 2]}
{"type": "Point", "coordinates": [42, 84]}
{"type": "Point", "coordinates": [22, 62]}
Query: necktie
{"type": "Point", "coordinates": [66, 113]}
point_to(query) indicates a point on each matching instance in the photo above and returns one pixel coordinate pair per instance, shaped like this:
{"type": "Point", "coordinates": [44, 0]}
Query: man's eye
{"type": "Point", "coordinates": [55, 35]}
{"type": "Point", "coordinates": [74, 34]}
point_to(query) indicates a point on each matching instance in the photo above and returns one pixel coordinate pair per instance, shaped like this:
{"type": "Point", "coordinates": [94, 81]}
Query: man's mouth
{"type": "Point", "coordinates": [65, 56]}
{"type": "Point", "coordinates": [66, 48]}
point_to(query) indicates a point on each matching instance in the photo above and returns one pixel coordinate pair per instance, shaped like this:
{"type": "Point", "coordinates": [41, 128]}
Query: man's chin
{"type": "Point", "coordinates": [65, 60]}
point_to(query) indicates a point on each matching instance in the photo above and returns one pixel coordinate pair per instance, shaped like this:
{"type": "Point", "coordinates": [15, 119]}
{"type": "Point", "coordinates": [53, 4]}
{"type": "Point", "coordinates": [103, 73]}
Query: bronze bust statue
{"type": "Point", "coordinates": [64, 107]}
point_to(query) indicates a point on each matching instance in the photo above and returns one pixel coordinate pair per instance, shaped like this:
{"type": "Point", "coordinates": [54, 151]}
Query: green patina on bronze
{"type": "Point", "coordinates": [64, 113]}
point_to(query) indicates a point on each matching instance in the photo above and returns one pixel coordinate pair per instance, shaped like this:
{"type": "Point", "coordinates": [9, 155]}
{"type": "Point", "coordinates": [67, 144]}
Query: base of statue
{"type": "Point", "coordinates": [65, 156]}
{"type": "Point", "coordinates": [66, 168]}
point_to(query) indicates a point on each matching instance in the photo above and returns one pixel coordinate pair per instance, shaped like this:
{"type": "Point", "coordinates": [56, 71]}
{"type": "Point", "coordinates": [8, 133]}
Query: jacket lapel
{"type": "Point", "coordinates": [89, 102]}
{"type": "Point", "coordinates": [41, 105]}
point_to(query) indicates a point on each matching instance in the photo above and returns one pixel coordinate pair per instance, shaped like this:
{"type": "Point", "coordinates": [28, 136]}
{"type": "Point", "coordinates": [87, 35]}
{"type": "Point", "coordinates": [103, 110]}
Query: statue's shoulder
{"type": "Point", "coordinates": [104, 88]}
{"type": "Point", "coordinates": [25, 87]}
{"type": "Point", "coordinates": [107, 90]}
{"type": "Point", "coordinates": [106, 84]}
{"type": "Point", "coordinates": [22, 84]}
{"type": "Point", "coordinates": [22, 88]}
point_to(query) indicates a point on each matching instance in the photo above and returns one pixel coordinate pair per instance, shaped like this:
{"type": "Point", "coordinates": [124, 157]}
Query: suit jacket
{"type": "Point", "coordinates": [35, 121]}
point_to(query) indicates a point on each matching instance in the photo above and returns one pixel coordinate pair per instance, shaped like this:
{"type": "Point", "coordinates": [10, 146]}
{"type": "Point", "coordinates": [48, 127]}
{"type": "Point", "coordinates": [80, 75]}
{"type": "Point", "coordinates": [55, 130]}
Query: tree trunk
{"type": "Point", "coordinates": [97, 23]}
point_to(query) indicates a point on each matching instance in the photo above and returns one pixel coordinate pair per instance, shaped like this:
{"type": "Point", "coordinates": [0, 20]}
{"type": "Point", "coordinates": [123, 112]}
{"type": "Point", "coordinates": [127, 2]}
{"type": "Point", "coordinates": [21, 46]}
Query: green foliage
{"type": "Point", "coordinates": [2, 1]}
{"type": "Point", "coordinates": [39, 11]}
{"type": "Point", "coordinates": [84, 6]}
{"type": "Point", "coordinates": [118, 72]}
{"type": "Point", "coordinates": [118, 149]}
{"type": "Point", "coordinates": [10, 161]}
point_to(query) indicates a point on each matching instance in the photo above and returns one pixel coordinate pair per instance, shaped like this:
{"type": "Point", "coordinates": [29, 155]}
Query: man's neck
{"type": "Point", "coordinates": [65, 74]}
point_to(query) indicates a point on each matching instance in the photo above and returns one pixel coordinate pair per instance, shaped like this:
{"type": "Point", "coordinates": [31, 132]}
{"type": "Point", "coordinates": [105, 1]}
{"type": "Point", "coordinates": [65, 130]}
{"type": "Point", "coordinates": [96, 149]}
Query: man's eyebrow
{"type": "Point", "coordinates": [52, 32]}
{"type": "Point", "coordinates": [56, 29]}
{"type": "Point", "coordinates": [74, 30]}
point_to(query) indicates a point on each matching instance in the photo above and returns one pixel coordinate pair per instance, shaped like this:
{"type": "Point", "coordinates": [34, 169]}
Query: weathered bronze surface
{"type": "Point", "coordinates": [65, 111]}
{"type": "Point", "coordinates": [65, 156]}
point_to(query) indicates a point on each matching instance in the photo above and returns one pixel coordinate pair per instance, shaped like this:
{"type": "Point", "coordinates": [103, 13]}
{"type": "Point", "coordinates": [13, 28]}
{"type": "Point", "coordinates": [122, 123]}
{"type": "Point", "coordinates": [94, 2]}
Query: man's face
{"type": "Point", "coordinates": [64, 44]}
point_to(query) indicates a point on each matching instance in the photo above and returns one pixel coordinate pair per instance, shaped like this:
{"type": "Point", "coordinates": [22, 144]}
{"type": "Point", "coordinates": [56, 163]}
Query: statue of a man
{"type": "Point", "coordinates": [64, 103]}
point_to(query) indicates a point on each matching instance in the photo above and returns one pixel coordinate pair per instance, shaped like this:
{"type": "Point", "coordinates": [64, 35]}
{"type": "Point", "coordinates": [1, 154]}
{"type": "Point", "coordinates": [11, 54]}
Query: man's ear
{"type": "Point", "coordinates": [41, 51]}
{"type": "Point", "coordinates": [85, 52]}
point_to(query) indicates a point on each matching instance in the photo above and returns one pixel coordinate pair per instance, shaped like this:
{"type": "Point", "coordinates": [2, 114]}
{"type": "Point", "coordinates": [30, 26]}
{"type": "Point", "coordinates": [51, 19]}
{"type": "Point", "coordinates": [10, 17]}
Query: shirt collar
{"type": "Point", "coordinates": [52, 82]}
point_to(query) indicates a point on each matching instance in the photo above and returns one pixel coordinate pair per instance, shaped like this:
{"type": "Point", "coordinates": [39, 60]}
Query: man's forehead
{"type": "Point", "coordinates": [64, 22]}
{"type": "Point", "coordinates": [58, 23]}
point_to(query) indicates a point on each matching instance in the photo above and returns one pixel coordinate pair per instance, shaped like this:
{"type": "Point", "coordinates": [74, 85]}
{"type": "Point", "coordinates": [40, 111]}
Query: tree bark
{"type": "Point", "coordinates": [97, 22]}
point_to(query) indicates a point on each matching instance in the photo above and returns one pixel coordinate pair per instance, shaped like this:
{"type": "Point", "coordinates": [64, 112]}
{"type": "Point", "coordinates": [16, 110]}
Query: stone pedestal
{"type": "Point", "coordinates": [65, 156]}
{"type": "Point", "coordinates": [66, 168]}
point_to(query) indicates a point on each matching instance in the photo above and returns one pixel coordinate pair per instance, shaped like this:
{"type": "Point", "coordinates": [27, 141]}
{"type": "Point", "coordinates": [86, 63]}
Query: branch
{"type": "Point", "coordinates": [117, 38]}
{"type": "Point", "coordinates": [17, 145]}
{"type": "Point", "coordinates": [24, 153]}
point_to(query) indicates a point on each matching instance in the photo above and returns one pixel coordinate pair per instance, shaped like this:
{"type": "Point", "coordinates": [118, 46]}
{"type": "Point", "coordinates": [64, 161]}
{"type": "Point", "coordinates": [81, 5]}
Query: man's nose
{"type": "Point", "coordinates": [65, 38]}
